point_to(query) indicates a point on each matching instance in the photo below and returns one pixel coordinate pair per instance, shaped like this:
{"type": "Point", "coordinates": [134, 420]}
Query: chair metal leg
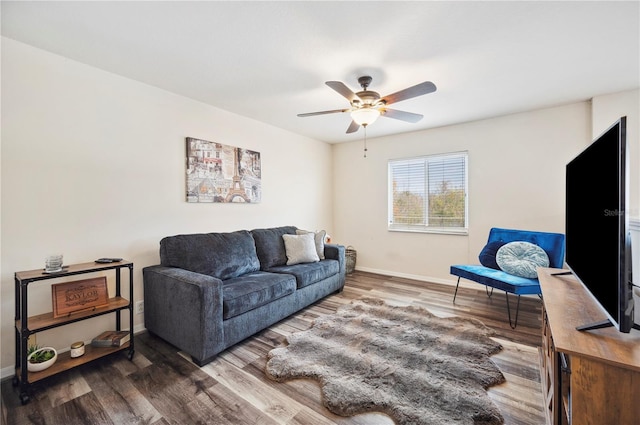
{"type": "Point", "coordinates": [513, 325]}
{"type": "Point", "coordinates": [486, 288]}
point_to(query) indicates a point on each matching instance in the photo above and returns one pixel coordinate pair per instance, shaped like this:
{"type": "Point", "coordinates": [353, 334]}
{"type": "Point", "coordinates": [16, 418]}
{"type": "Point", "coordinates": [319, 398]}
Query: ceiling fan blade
{"type": "Point", "coordinates": [311, 114]}
{"type": "Point", "coordinates": [408, 93]}
{"type": "Point", "coordinates": [353, 127]}
{"type": "Point", "coordinates": [343, 90]}
{"type": "Point", "coordinates": [401, 115]}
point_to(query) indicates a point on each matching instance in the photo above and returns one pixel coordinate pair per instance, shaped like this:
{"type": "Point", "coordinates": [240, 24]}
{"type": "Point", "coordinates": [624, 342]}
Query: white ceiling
{"type": "Point", "coordinates": [269, 60]}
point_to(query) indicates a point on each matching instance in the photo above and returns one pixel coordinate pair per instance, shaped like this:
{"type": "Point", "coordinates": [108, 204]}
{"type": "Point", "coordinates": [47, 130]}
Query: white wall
{"type": "Point", "coordinates": [606, 110]}
{"type": "Point", "coordinates": [516, 180]}
{"type": "Point", "coordinates": [93, 165]}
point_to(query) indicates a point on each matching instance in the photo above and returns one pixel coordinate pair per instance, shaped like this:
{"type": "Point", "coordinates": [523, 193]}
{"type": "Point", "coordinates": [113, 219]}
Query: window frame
{"type": "Point", "coordinates": [425, 228]}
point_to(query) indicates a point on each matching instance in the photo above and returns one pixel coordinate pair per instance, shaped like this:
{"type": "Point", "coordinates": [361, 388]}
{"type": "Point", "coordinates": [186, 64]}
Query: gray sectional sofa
{"type": "Point", "coordinates": [211, 291]}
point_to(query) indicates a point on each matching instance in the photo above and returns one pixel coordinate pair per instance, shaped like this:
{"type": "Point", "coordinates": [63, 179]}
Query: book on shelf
{"type": "Point", "coordinates": [111, 339]}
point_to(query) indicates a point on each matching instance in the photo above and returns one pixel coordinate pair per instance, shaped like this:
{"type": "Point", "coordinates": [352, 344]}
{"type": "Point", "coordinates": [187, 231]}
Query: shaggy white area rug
{"type": "Point", "coordinates": [403, 361]}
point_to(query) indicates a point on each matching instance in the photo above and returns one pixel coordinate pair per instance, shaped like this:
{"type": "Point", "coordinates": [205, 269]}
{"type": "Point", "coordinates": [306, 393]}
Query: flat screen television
{"type": "Point", "coordinates": [597, 237]}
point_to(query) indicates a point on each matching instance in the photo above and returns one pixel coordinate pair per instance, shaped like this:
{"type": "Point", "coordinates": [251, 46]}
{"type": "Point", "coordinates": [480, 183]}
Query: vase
{"type": "Point", "coordinates": [37, 367]}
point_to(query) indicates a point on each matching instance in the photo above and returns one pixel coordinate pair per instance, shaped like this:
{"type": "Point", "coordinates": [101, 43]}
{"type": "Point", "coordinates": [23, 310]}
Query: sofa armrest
{"type": "Point", "coordinates": [337, 252]}
{"type": "Point", "coordinates": [185, 309]}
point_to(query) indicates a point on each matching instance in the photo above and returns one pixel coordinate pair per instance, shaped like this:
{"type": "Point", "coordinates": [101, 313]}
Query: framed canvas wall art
{"type": "Point", "coordinates": [222, 173]}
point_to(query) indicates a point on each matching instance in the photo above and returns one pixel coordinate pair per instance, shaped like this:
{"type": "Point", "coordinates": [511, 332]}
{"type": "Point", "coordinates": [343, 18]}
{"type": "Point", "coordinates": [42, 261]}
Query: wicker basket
{"type": "Point", "coordinates": [350, 255]}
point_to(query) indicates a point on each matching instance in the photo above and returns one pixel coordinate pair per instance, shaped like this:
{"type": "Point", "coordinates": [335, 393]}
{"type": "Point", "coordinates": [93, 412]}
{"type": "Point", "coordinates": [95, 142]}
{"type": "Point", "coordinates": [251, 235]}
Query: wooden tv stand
{"type": "Point", "coordinates": [588, 377]}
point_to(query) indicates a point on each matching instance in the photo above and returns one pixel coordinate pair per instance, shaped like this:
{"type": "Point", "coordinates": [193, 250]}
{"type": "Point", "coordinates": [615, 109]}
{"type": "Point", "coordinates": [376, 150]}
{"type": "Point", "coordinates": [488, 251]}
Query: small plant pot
{"type": "Point", "coordinates": [37, 367]}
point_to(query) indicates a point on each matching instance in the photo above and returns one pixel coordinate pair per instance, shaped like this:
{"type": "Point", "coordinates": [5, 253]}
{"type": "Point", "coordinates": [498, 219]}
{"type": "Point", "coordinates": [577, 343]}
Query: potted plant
{"type": "Point", "coordinates": [40, 358]}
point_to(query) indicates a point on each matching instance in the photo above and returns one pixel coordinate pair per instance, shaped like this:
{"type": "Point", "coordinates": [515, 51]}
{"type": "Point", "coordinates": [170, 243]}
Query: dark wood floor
{"type": "Point", "coordinates": [161, 385]}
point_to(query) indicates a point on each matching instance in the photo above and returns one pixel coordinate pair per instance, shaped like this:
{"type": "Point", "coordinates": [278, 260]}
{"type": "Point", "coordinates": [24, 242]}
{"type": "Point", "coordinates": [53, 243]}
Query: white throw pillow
{"type": "Point", "coordinates": [319, 239]}
{"type": "Point", "coordinates": [300, 249]}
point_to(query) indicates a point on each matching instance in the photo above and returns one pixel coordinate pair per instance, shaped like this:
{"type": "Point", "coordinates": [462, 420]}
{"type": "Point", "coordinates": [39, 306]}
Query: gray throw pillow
{"type": "Point", "coordinates": [319, 240]}
{"type": "Point", "coordinates": [300, 249]}
{"type": "Point", "coordinates": [521, 259]}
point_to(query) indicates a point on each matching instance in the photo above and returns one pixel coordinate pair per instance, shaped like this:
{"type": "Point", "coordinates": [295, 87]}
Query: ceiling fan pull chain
{"type": "Point", "coordinates": [365, 140]}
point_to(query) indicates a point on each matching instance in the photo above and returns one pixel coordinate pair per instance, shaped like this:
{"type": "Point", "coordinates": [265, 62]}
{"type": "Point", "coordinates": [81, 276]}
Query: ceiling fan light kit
{"type": "Point", "coordinates": [365, 116]}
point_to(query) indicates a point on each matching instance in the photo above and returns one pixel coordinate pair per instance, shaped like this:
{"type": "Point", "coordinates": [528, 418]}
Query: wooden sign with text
{"type": "Point", "coordinates": [81, 295]}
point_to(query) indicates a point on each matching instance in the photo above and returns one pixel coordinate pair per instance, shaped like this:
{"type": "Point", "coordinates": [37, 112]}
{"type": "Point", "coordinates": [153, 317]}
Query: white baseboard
{"type": "Point", "coordinates": [431, 279]}
{"type": "Point", "coordinates": [451, 282]}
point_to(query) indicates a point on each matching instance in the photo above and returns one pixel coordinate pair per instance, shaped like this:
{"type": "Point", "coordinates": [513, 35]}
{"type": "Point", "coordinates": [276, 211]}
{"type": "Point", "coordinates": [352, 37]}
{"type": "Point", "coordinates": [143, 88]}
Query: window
{"type": "Point", "coordinates": [429, 193]}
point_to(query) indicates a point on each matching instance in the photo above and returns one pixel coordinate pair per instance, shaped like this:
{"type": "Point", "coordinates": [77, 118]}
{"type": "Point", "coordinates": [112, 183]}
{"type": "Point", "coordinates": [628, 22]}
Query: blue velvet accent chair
{"type": "Point", "coordinates": [494, 278]}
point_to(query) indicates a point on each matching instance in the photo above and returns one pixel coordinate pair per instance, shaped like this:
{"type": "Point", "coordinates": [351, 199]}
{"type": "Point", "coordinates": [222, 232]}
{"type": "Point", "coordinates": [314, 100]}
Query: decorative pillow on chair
{"type": "Point", "coordinates": [319, 240]}
{"type": "Point", "coordinates": [300, 249]}
{"type": "Point", "coordinates": [488, 254]}
{"type": "Point", "coordinates": [521, 259]}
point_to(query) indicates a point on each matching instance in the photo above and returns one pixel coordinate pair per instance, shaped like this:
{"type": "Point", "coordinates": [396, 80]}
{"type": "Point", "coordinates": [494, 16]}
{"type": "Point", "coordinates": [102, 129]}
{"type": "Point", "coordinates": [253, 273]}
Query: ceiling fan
{"type": "Point", "coordinates": [367, 105]}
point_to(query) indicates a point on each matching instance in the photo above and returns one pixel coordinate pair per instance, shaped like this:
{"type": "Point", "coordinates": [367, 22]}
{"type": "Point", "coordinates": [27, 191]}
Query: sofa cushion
{"type": "Point", "coordinates": [300, 249]}
{"type": "Point", "coordinates": [309, 273]}
{"type": "Point", "coordinates": [221, 255]}
{"type": "Point", "coordinates": [319, 238]}
{"type": "Point", "coordinates": [497, 279]}
{"type": "Point", "coordinates": [522, 259]}
{"type": "Point", "coordinates": [270, 245]}
{"type": "Point", "coordinates": [242, 294]}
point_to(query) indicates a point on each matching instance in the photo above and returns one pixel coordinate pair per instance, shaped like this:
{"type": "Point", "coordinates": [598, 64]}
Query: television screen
{"type": "Point", "coordinates": [597, 242]}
